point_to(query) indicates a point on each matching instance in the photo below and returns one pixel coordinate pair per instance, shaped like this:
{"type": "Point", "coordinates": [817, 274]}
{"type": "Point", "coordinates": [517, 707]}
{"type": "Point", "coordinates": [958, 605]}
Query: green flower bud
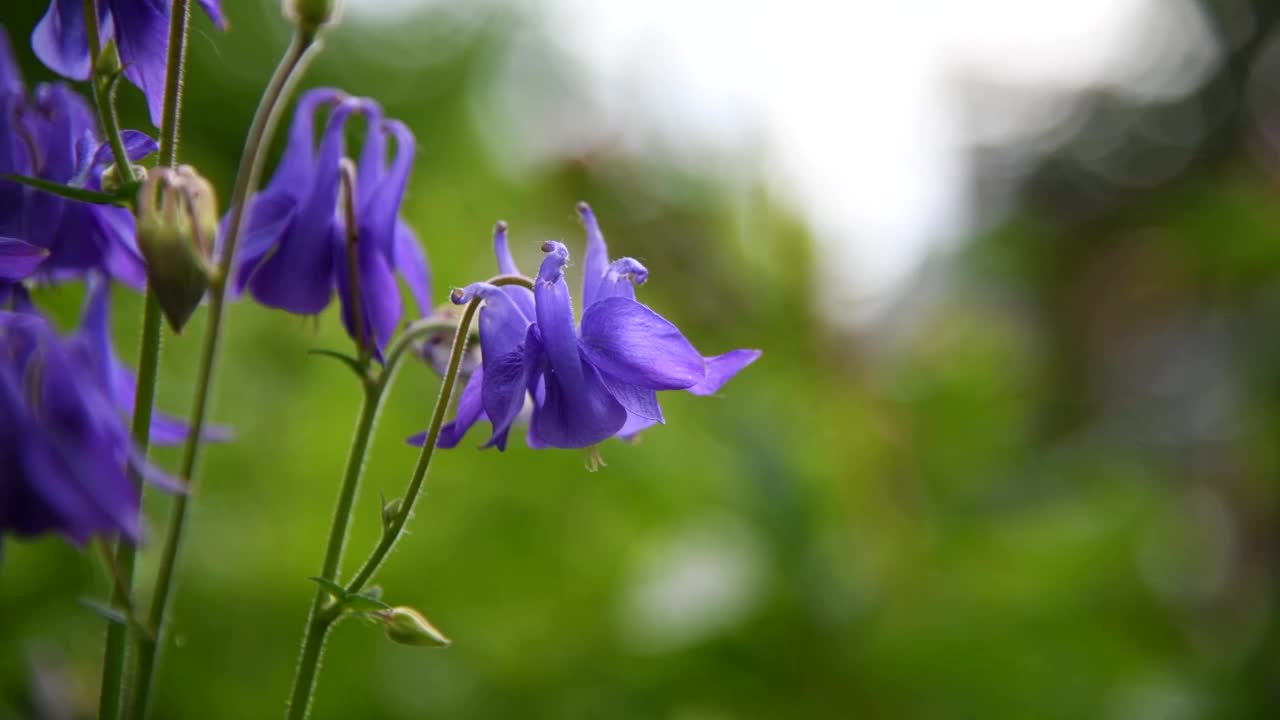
{"type": "Point", "coordinates": [390, 511]}
{"type": "Point", "coordinates": [408, 627]}
{"type": "Point", "coordinates": [108, 61]}
{"type": "Point", "coordinates": [311, 15]}
{"type": "Point", "coordinates": [177, 222]}
{"type": "Point", "coordinates": [113, 183]}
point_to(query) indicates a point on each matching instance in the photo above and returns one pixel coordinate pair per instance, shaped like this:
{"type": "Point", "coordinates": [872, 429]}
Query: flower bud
{"type": "Point", "coordinates": [390, 511]}
{"type": "Point", "coordinates": [177, 220]}
{"type": "Point", "coordinates": [407, 626]}
{"type": "Point", "coordinates": [108, 61]}
{"type": "Point", "coordinates": [112, 182]}
{"type": "Point", "coordinates": [311, 15]}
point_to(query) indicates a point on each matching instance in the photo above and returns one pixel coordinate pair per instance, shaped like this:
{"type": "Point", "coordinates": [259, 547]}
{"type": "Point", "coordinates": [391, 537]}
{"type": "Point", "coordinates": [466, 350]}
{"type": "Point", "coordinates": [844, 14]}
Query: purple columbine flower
{"type": "Point", "coordinates": [64, 444]}
{"type": "Point", "coordinates": [139, 27]}
{"type": "Point", "coordinates": [587, 383]}
{"type": "Point", "coordinates": [53, 136]}
{"type": "Point", "coordinates": [296, 251]}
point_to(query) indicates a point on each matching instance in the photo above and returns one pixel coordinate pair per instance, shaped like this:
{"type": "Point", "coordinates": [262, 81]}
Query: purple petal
{"type": "Point", "coordinates": [722, 367]}
{"type": "Point", "coordinates": [621, 279]}
{"type": "Point", "coordinates": [411, 263]}
{"type": "Point", "coordinates": [597, 256]}
{"type": "Point", "coordinates": [380, 208]}
{"type": "Point", "coordinates": [60, 39]}
{"type": "Point", "coordinates": [379, 294]}
{"type": "Point", "coordinates": [214, 10]}
{"type": "Point", "coordinates": [19, 259]}
{"type": "Point", "coordinates": [10, 73]}
{"type": "Point", "coordinates": [298, 276]}
{"type": "Point", "coordinates": [638, 346]}
{"type": "Point", "coordinates": [270, 215]}
{"type": "Point", "coordinates": [578, 410]}
{"type": "Point", "coordinates": [506, 263]}
{"type": "Point", "coordinates": [142, 35]}
{"type": "Point", "coordinates": [640, 402]}
{"type": "Point", "coordinates": [469, 412]}
{"type": "Point", "coordinates": [293, 174]}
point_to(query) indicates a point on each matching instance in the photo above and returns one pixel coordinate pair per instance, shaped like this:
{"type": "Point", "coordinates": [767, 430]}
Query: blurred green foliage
{"type": "Point", "coordinates": [1013, 505]}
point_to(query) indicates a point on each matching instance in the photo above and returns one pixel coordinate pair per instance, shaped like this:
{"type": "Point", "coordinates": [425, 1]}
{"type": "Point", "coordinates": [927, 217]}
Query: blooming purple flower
{"type": "Point", "coordinates": [296, 246]}
{"type": "Point", "coordinates": [53, 136]}
{"type": "Point", "coordinates": [139, 27]}
{"type": "Point", "coordinates": [64, 444]}
{"type": "Point", "coordinates": [589, 382]}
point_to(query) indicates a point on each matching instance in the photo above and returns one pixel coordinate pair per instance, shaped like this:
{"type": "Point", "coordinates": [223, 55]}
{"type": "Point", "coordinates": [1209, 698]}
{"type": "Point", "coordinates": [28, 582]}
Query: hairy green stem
{"type": "Point", "coordinates": [114, 684]}
{"type": "Point", "coordinates": [252, 160]}
{"type": "Point", "coordinates": [322, 616]}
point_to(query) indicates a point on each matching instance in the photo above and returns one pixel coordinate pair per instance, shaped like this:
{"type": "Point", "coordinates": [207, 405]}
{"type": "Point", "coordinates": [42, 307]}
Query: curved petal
{"type": "Point", "coordinates": [269, 217]}
{"type": "Point", "coordinates": [638, 346]}
{"type": "Point", "coordinates": [299, 275]}
{"type": "Point", "coordinates": [469, 412]}
{"type": "Point", "coordinates": [19, 259]}
{"type": "Point", "coordinates": [142, 35]}
{"type": "Point", "coordinates": [60, 39]}
{"type": "Point", "coordinates": [10, 73]}
{"type": "Point", "coordinates": [293, 173]}
{"type": "Point", "coordinates": [578, 409]}
{"type": "Point", "coordinates": [722, 367]}
{"type": "Point", "coordinates": [621, 279]}
{"type": "Point", "coordinates": [379, 294]}
{"type": "Point", "coordinates": [213, 9]}
{"type": "Point", "coordinates": [411, 263]}
{"type": "Point", "coordinates": [596, 260]}
{"type": "Point", "coordinates": [380, 208]}
{"type": "Point", "coordinates": [506, 263]}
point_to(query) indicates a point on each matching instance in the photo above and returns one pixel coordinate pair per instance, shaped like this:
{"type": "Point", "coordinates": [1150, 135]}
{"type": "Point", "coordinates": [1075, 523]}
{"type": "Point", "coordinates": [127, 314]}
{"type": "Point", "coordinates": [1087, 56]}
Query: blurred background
{"type": "Point", "coordinates": [1012, 450]}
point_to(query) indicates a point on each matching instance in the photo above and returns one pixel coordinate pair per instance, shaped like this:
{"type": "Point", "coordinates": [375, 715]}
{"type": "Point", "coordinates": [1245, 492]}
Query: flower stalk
{"type": "Point", "coordinates": [322, 615]}
{"type": "Point", "coordinates": [252, 160]}
{"type": "Point", "coordinates": [114, 690]}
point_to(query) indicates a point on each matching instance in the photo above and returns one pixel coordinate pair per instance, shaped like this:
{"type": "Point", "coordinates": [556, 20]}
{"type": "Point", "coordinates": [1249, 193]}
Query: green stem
{"type": "Point", "coordinates": [321, 618]}
{"type": "Point", "coordinates": [114, 685]}
{"type": "Point", "coordinates": [396, 527]}
{"type": "Point", "coordinates": [252, 160]}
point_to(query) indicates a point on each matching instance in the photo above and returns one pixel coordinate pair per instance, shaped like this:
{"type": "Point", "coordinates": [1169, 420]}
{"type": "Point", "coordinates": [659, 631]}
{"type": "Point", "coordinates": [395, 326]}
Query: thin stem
{"type": "Point", "coordinates": [114, 684]}
{"type": "Point", "coordinates": [252, 160]}
{"type": "Point", "coordinates": [322, 617]}
{"type": "Point", "coordinates": [392, 533]}
{"type": "Point", "coordinates": [317, 623]}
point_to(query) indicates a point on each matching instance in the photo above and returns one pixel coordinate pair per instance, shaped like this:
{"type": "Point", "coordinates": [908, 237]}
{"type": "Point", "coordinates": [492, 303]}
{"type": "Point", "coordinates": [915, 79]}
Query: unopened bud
{"type": "Point", "coordinates": [390, 511]}
{"type": "Point", "coordinates": [407, 626]}
{"type": "Point", "coordinates": [108, 64]}
{"type": "Point", "coordinates": [311, 15]}
{"type": "Point", "coordinates": [177, 221]}
{"type": "Point", "coordinates": [113, 183]}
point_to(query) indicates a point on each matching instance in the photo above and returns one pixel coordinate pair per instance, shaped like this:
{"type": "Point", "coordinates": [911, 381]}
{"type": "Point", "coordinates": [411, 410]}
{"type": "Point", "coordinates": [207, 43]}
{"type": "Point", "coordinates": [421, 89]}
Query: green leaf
{"type": "Point", "coordinates": [114, 615]}
{"type": "Point", "coordinates": [334, 588]}
{"type": "Point", "coordinates": [73, 193]}
{"type": "Point", "coordinates": [362, 604]}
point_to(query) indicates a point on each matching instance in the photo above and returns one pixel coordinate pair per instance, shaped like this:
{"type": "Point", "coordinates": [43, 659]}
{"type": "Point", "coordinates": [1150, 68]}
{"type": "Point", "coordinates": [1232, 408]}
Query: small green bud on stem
{"type": "Point", "coordinates": [407, 626]}
{"type": "Point", "coordinates": [312, 15]}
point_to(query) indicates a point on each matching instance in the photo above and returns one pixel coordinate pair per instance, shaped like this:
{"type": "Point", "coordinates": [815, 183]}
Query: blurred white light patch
{"type": "Point", "coordinates": [860, 114]}
{"type": "Point", "coordinates": [692, 586]}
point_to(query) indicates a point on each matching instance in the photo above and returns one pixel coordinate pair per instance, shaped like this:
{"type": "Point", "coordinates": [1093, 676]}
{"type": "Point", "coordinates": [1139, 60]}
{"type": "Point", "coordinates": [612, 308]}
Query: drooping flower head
{"type": "Point", "coordinates": [64, 442]}
{"type": "Point", "coordinates": [53, 136]}
{"type": "Point", "coordinates": [139, 27]}
{"type": "Point", "coordinates": [587, 382]}
{"type": "Point", "coordinates": [297, 249]}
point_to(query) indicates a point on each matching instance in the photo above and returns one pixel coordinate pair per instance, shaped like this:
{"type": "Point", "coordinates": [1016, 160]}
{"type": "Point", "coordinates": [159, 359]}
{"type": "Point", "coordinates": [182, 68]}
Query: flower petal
{"type": "Point", "coordinates": [411, 263]}
{"type": "Point", "coordinates": [621, 279]}
{"type": "Point", "coordinates": [213, 9]}
{"type": "Point", "coordinates": [469, 412]}
{"type": "Point", "coordinates": [379, 294]}
{"type": "Point", "coordinates": [578, 410]}
{"type": "Point", "coordinates": [597, 256]}
{"type": "Point", "coordinates": [722, 367]}
{"type": "Point", "coordinates": [61, 41]}
{"type": "Point", "coordinates": [638, 346]}
{"type": "Point", "coordinates": [10, 74]}
{"type": "Point", "coordinates": [19, 259]}
{"type": "Point", "coordinates": [142, 35]}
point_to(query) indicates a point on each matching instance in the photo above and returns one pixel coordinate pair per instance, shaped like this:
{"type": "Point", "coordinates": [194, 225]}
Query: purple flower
{"type": "Point", "coordinates": [53, 136]}
{"type": "Point", "coordinates": [64, 444]}
{"type": "Point", "coordinates": [139, 27]}
{"type": "Point", "coordinates": [296, 250]}
{"type": "Point", "coordinates": [588, 383]}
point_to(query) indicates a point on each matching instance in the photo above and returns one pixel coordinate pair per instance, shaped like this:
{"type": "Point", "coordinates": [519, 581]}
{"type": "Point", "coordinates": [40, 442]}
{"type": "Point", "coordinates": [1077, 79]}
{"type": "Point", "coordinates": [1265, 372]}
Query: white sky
{"type": "Point", "coordinates": [859, 114]}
